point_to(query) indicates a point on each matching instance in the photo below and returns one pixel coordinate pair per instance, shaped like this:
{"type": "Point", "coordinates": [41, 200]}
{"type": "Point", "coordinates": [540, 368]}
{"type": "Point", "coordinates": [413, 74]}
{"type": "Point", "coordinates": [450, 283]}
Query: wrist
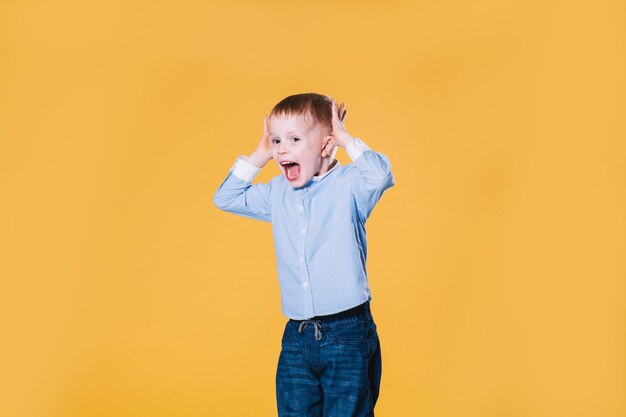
{"type": "Point", "coordinates": [344, 139]}
{"type": "Point", "coordinates": [258, 159]}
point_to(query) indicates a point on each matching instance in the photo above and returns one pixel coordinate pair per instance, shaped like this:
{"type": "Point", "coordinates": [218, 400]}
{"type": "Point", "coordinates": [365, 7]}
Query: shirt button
{"type": "Point", "coordinates": [300, 207]}
{"type": "Point", "coordinates": [302, 231]}
{"type": "Point", "coordinates": [305, 284]}
{"type": "Point", "coordinates": [302, 259]}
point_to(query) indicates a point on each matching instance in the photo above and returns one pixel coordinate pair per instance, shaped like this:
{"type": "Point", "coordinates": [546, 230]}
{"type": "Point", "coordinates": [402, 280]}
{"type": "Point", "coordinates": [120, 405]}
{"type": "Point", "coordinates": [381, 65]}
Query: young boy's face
{"type": "Point", "coordinates": [297, 148]}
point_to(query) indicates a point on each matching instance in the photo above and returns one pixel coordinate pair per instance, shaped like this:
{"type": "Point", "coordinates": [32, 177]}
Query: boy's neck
{"type": "Point", "coordinates": [327, 165]}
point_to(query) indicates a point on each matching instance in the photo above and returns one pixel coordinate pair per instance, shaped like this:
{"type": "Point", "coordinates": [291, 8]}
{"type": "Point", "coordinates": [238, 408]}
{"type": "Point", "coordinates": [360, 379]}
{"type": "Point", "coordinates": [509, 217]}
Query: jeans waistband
{"type": "Point", "coordinates": [360, 310]}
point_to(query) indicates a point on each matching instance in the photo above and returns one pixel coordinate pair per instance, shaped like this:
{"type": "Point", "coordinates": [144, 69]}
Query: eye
{"type": "Point", "coordinates": [275, 140]}
{"type": "Point", "coordinates": [296, 139]}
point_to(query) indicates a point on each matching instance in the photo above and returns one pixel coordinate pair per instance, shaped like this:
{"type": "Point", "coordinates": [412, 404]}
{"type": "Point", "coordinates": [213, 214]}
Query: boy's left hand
{"type": "Point", "coordinates": [342, 137]}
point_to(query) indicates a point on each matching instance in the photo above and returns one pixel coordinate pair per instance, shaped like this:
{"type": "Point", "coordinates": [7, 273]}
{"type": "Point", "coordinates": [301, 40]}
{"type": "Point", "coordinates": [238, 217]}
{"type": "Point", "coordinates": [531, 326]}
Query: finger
{"type": "Point", "coordinates": [342, 111]}
{"type": "Point", "coordinates": [265, 140]}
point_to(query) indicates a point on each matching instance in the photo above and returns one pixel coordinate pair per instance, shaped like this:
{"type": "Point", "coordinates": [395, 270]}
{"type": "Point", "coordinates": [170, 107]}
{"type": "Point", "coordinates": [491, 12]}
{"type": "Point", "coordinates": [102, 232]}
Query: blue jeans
{"type": "Point", "coordinates": [329, 366]}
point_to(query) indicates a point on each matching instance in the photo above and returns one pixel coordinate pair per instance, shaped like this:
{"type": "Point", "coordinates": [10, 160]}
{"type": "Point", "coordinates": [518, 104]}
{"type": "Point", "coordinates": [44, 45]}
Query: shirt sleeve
{"type": "Point", "coordinates": [244, 170]}
{"type": "Point", "coordinates": [373, 176]}
{"type": "Point", "coordinates": [356, 148]}
{"type": "Point", "coordinates": [239, 196]}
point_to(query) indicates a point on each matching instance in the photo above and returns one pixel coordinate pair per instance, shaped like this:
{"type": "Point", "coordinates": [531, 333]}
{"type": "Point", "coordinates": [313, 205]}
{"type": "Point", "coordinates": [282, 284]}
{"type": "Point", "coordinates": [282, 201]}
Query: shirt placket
{"type": "Point", "coordinates": [303, 224]}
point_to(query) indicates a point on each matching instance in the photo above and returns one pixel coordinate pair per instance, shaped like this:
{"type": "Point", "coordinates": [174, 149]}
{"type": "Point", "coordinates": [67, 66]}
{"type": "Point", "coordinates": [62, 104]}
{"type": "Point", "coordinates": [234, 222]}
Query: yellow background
{"type": "Point", "coordinates": [497, 262]}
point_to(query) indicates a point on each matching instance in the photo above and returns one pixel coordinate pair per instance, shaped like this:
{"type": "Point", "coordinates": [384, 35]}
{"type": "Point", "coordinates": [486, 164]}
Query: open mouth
{"type": "Point", "coordinates": [292, 170]}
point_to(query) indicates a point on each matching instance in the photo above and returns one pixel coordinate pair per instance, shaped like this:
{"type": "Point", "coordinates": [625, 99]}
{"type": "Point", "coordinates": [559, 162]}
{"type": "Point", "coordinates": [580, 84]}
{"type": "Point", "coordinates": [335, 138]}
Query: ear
{"type": "Point", "coordinates": [327, 146]}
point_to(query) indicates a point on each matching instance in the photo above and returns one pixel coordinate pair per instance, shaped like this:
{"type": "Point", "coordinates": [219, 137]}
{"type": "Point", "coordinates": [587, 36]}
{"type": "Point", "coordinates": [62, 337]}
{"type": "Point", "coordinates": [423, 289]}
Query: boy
{"type": "Point", "coordinates": [330, 361]}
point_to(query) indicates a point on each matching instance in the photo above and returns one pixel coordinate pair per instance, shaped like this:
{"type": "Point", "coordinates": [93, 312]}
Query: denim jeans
{"type": "Point", "coordinates": [329, 366]}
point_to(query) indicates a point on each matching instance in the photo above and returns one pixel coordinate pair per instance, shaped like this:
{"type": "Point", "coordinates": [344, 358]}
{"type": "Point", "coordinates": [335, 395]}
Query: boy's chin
{"type": "Point", "coordinates": [299, 182]}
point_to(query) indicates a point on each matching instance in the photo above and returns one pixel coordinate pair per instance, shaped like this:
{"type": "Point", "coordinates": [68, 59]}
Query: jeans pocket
{"type": "Point", "coordinates": [352, 333]}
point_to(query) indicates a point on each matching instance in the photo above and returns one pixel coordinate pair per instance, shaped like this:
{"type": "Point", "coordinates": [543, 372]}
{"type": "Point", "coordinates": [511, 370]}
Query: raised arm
{"type": "Point", "coordinates": [373, 168]}
{"type": "Point", "coordinates": [237, 194]}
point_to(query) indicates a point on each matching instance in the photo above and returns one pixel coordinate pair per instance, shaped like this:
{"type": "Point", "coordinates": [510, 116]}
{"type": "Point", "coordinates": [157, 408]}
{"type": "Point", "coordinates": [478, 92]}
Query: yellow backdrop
{"type": "Point", "coordinates": [497, 262]}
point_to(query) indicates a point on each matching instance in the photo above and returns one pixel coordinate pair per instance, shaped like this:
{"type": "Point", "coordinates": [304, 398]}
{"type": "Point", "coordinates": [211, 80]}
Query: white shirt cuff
{"type": "Point", "coordinates": [355, 148]}
{"type": "Point", "coordinates": [244, 170]}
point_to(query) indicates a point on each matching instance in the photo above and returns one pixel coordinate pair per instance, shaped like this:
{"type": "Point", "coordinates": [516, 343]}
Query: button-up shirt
{"type": "Point", "coordinates": [318, 229]}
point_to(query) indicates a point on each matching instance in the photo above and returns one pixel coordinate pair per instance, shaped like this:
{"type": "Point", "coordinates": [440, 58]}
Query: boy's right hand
{"type": "Point", "coordinates": [263, 152]}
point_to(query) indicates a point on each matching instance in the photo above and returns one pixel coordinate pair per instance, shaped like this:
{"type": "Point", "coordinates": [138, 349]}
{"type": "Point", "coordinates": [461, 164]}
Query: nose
{"type": "Point", "coordinates": [281, 148]}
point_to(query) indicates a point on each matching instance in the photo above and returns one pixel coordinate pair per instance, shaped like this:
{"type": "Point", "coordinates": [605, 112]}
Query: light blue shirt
{"type": "Point", "coordinates": [318, 229]}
